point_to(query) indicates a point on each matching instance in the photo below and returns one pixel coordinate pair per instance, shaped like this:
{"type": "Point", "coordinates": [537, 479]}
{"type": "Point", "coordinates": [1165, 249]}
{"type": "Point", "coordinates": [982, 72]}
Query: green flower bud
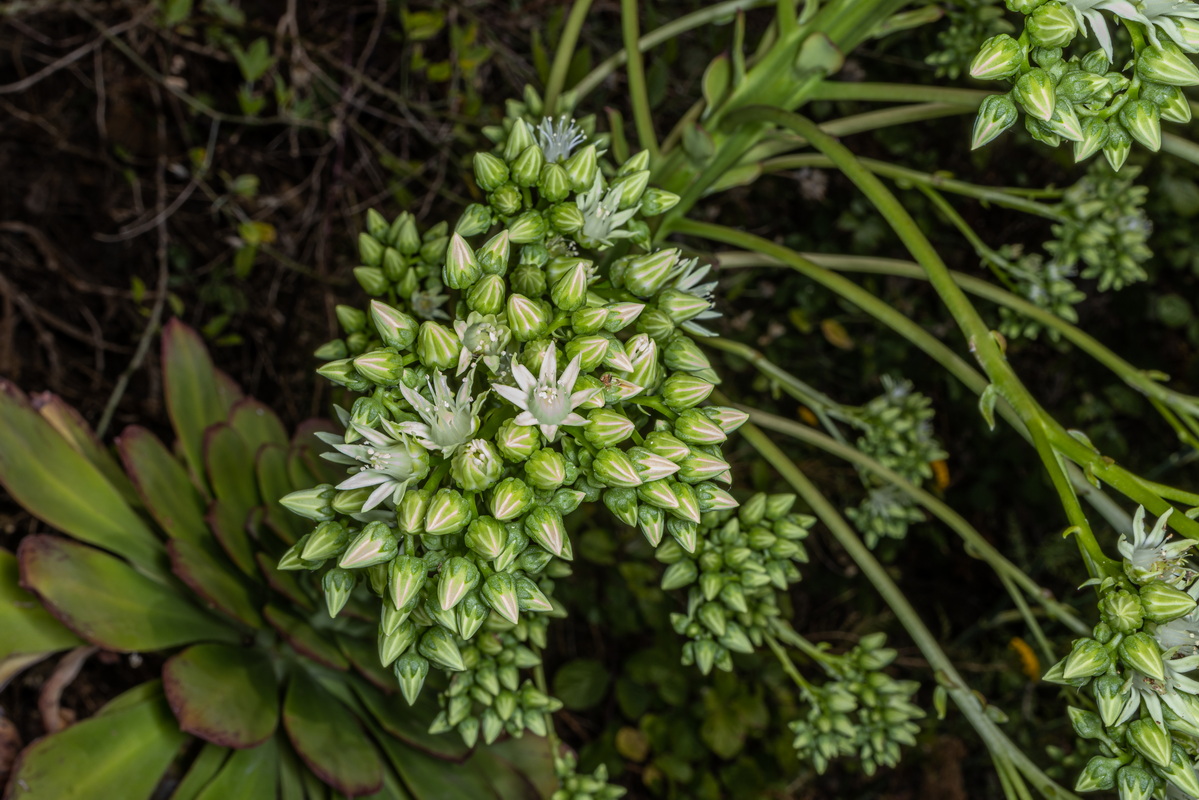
{"type": "Point", "coordinates": [1181, 772]}
{"type": "Point", "coordinates": [694, 427]}
{"type": "Point", "coordinates": [666, 444]}
{"type": "Point", "coordinates": [381, 367]}
{"type": "Point", "coordinates": [437, 346]}
{"type": "Point", "coordinates": [535, 559]}
{"type": "Point", "coordinates": [1087, 658]}
{"type": "Point", "coordinates": [351, 320]}
{"type": "Point", "coordinates": [519, 137]}
{"type": "Point", "coordinates": [581, 168]}
{"type": "Point", "coordinates": [1118, 144]}
{"type": "Point", "coordinates": [499, 591]}
{"type": "Point", "coordinates": [487, 537]}
{"type": "Point", "coordinates": [477, 466]}
{"type": "Point", "coordinates": [1099, 773]}
{"type": "Point", "coordinates": [517, 442]}
{"type": "Point", "coordinates": [404, 235]}
{"type": "Point", "coordinates": [1086, 723]}
{"type": "Point", "coordinates": [530, 597]}
{"type": "Point", "coordinates": [1166, 64]}
{"type": "Point", "coordinates": [996, 114]}
{"type": "Point", "coordinates": [490, 172]}
{"type": "Point", "coordinates": [372, 280]}
{"type": "Point", "coordinates": [679, 574]}
{"type": "Point", "coordinates": [684, 355]}
{"type": "Point", "coordinates": [657, 201]}
{"type": "Point", "coordinates": [510, 498]}
{"type": "Point", "coordinates": [376, 226]}
{"type": "Point", "coordinates": [506, 200]}
{"type": "Point", "coordinates": [471, 613]}
{"type": "Point", "coordinates": [1080, 86]}
{"type": "Point", "coordinates": [394, 644]}
{"type": "Point", "coordinates": [1094, 136]}
{"type": "Point", "coordinates": [528, 227]}
{"type": "Point", "coordinates": [476, 219]}
{"type": "Point", "coordinates": [526, 169]}
{"type": "Point", "coordinates": [613, 468]}
{"type": "Point", "coordinates": [1122, 611]}
{"type": "Point", "coordinates": [1111, 696]}
{"type": "Point", "coordinates": [681, 306]}
{"type": "Point", "coordinates": [643, 370]}
{"type": "Point", "coordinates": [658, 494]}
{"type": "Point", "coordinates": [527, 318]}
{"type": "Point", "coordinates": [544, 525]}
{"type": "Point", "coordinates": [1140, 651]}
{"type": "Point", "coordinates": [517, 542]}
{"type": "Point", "coordinates": [588, 320]}
{"type": "Point", "coordinates": [487, 296]}
{"type": "Point", "coordinates": [688, 508]}
{"type": "Point", "coordinates": [1162, 602]}
{"type": "Point", "coordinates": [652, 522]}
{"type": "Point", "coordinates": [607, 427]}
{"type": "Point", "coordinates": [570, 291]}
{"type": "Point", "coordinates": [999, 57]}
{"type": "Point", "coordinates": [493, 256]}
{"type": "Point", "coordinates": [1034, 91]}
{"type": "Point", "coordinates": [651, 467]}
{"type": "Point", "coordinates": [462, 269]}
{"type": "Point", "coordinates": [565, 217]}
{"type": "Point", "coordinates": [700, 466]}
{"type": "Point", "coordinates": [433, 251]}
{"type": "Point", "coordinates": [567, 500]}
{"type": "Point", "coordinates": [411, 670]}
{"type": "Point", "coordinates": [1142, 120]}
{"type": "Point", "coordinates": [645, 274]}
{"type": "Point", "coordinates": [1150, 740]}
{"type": "Point", "coordinates": [1135, 782]}
{"type": "Point", "coordinates": [685, 532]}
{"type": "Point", "coordinates": [395, 328]}
{"type": "Point", "coordinates": [1052, 25]}
{"type": "Point", "coordinates": [370, 250]}
{"type": "Point", "coordinates": [291, 560]}
{"type": "Point", "coordinates": [410, 513]}
{"type": "Point", "coordinates": [331, 350]}
{"type": "Point", "coordinates": [405, 577]}
{"type": "Point", "coordinates": [711, 497]}
{"type": "Point", "coordinates": [448, 513]}
{"type": "Point", "coordinates": [630, 187]}
{"type": "Point", "coordinates": [553, 183]}
{"type": "Point", "coordinates": [438, 645]}
{"type": "Point", "coordinates": [1174, 106]}
{"type": "Point", "coordinates": [622, 502]}
{"type": "Point", "coordinates": [329, 539]}
{"type": "Point", "coordinates": [458, 576]}
{"type": "Point", "coordinates": [1065, 122]}
{"type": "Point", "coordinates": [394, 268]}
{"type": "Point", "coordinates": [338, 585]}
{"type": "Point", "coordinates": [545, 470]}
{"type": "Point", "coordinates": [375, 544]}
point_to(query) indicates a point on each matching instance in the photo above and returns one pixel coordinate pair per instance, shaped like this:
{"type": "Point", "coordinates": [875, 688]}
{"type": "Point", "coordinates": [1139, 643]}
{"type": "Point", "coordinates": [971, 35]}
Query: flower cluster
{"type": "Point", "coordinates": [742, 562]}
{"type": "Point", "coordinates": [1046, 283]}
{"type": "Point", "coordinates": [1083, 99]}
{"type": "Point", "coordinates": [1107, 228]}
{"type": "Point", "coordinates": [897, 432]}
{"type": "Point", "coordinates": [861, 712]}
{"type": "Point", "coordinates": [970, 23]}
{"type": "Point", "coordinates": [1135, 668]}
{"type": "Point", "coordinates": [574, 786]}
{"type": "Point", "coordinates": [536, 356]}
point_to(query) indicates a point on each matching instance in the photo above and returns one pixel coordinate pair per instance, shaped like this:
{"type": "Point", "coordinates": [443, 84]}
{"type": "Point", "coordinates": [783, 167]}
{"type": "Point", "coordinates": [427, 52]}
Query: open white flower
{"type": "Point", "coordinates": [1091, 11]}
{"type": "Point", "coordinates": [559, 137]}
{"type": "Point", "coordinates": [482, 337]}
{"type": "Point", "coordinates": [1148, 557]}
{"type": "Point", "coordinates": [449, 420]}
{"type": "Point", "coordinates": [544, 401]}
{"type": "Point", "coordinates": [603, 221]}
{"type": "Point", "coordinates": [1165, 15]}
{"type": "Point", "coordinates": [687, 277]}
{"type": "Point", "coordinates": [387, 462]}
{"type": "Point", "coordinates": [1152, 692]}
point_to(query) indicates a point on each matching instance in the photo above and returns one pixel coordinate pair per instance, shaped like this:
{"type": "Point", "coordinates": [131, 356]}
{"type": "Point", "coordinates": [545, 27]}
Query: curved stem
{"type": "Point", "coordinates": [564, 54]}
{"type": "Point", "coordinates": [957, 688]}
{"type": "Point", "coordinates": [643, 117]}
{"type": "Point", "coordinates": [898, 93]}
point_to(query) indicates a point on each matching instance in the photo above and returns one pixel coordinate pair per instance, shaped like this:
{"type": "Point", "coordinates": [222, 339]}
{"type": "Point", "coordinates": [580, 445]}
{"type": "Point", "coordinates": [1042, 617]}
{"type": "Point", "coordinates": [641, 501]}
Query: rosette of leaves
{"type": "Point", "coordinates": [1107, 228]}
{"type": "Point", "coordinates": [743, 561]}
{"type": "Point", "coordinates": [1083, 98]}
{"type": "Point", "coordinates": [170, 553]}
{"type": "Point", "coordinates": [567, 373]}
{"type": "Point", "coordinates": [1136, 669]}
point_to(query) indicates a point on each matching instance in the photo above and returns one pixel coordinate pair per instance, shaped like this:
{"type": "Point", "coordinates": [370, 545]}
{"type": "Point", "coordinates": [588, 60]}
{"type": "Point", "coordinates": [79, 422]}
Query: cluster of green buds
{"type": "Point", "coordinates": [565, 371]}
{"type": "Point", "coordinates": [861, 711]}
{"type": "Point", "coordinates": [1082, 99]}
{"type": "Point", "coordinates": [1106, 228]}
{"type": "Point", "coordinates": [970, 23]}
{"type": "Point", "coordinates": [897, 432]}
{"type": "Point", "coordinates": [573, 786]}
{"type": "Point", "coordinates": [1134, 668]}
{"type": "Point", "coordinates": [1047, 283]}
{"type": "Point", "coordinates": [743, 561]}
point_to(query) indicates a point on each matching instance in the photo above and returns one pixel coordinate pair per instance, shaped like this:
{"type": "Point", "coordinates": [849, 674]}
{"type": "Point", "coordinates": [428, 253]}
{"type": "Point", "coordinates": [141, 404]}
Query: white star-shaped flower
{"type": "Point", "coordinates": [544, 401]}
{"type": "Point", "coordinates": [449, 421]}
{"type": "Point", "coordinates": [389, 463]}
{"type": "Point", "coordinates": [1090, 11]}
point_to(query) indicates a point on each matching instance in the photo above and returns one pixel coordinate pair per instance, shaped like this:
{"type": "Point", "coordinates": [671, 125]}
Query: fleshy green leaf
{"type": "Point", "coordinates": [121, 752]}
{"type": "Point", "coordinates": [213, 578]}
{"type": "Point", "coordinates": [228, 525]}
{"type": "Point", "coordinates": [196, 395]}
{"type": "Point", "coordinates": [163, 485]}
{"type": "Point", "coordinates": [257, 425]}
{"type": "Point", "coordinates": [225, 695]}
{"type": "Point", "coordinates": [107, 602]}
{"type": "Point", "coordinates": [328, 738]}
{"type": "Point", "coordinates": [56, 484]}
{"type": "Point", "coordinates": [364, 655]}
{"type": "Point", "coordinates": [71, 425]}
{"type": "Point", "coordinates": [247, 775]}
{"type": "Point", "coordinates": [201, 771]}
{"type": "Point", "coordinates": [284, 582]}
{"type": "Point", "coordinates": [304, 639]}
{"type": "Point", "coordinates": [28, 627]}
{"type": "Point", "coordinates": [273, 483]}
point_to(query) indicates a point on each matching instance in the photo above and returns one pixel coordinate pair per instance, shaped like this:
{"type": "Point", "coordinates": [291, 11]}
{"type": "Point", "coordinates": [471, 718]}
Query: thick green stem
{"type": "Point", "coordinates": [643, 116]}
{"type": "Point", "coordinates": [966, 700]}
{"type": "Point", "coordinates": [564, 54]}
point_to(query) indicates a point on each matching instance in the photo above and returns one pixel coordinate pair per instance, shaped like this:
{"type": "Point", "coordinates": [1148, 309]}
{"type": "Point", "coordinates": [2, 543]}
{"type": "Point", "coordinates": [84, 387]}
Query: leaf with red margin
{"type": "Point", "coordinates": [210, 575]}
{"type": "Point", "coordinates": [305, 467]}
{"type": "Point", "coordinates": [228, 526]}
{"type": "Point", "coordinates": [230, 467]}
{"type": "Point", "coordinates": [28, 627]}
{"type": "Point", "coordinates": [257, 425]}
{"type": "Point", "coordinates": [201, 770]}
{"type": "Point", "coordinates": [328, 737]}
{"type": "Point", "coordinates": [194, 398]}
{"type": "Point", "coordinates": [270, 465]}
{"type": "Point", "coordinates": [364, 655]}
{"type": "Point", "coordinates": [223, 694]}
{"type": "Point", "coordinates": [304, 639]}
{"type": "Point", "coordinates": [71, 425]}
{"type": "Point", "coordinates": [108, 603]}
{"type": "Point", "coordinates": [248, 775]}
{"type": "Point", "coordinates": [52, 481]}
{"type": "Point", "coordinates": [283, 582]}
{"type": "Point", "coordinates": [122, 752]}
{"type": "Point", "coordinates": [163, 485]}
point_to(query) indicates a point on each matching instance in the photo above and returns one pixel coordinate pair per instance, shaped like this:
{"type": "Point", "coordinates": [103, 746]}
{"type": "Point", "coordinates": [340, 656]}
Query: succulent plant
{"type": "Point", "coordinates": [171, 553]}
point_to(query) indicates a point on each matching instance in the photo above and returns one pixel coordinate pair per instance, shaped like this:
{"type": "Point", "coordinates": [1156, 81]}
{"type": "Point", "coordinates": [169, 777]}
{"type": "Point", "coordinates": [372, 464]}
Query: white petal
{"type": "Point", "coordinates": [416, 400]}
{"type": "Point", "coordinates": [1102, 35]}
{"type": "Point", "coordinates": [524, 378]}
{"type": "Point", "coordinates": [379, 495]}
{"type": "Point", "coordinates": [525, 418]}
{"type": "Point", "coordinates": [582, 396]}
{"type": "Point", "coordinates": [367, 477]}
{"type": "Point", "coordinates": [338, 458]}
{"type": "Point", "coordinates": [570, 374]}
{"type": "Point", "coordinates": [550, 432]}
{"type": "Point", "coordinates": [330, 438]}
{"type": "Point", "coordinates": [575, 419]}
{"type": "Point", "coordinates": [517, 397]}
{"type": "Point", "coordinates": [549, 366]}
